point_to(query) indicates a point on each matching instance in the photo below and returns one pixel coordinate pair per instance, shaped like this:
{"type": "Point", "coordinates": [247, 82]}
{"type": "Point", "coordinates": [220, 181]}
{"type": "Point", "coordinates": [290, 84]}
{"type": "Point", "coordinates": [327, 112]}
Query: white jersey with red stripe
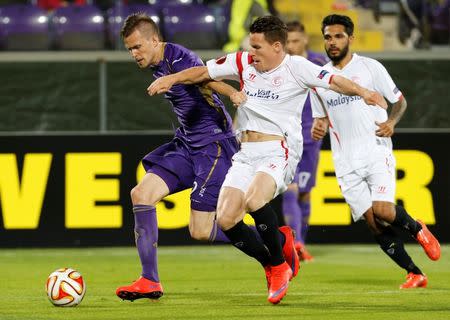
{"type": "Point", "coordinates": [275, 98]}
{"type": "Point", "coordinates": [352, 121]}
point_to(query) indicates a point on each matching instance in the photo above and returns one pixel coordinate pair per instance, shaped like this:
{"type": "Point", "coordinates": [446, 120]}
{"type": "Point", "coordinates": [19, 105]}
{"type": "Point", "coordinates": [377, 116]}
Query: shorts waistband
{"type": "Point", "coordinates": [262, 144]}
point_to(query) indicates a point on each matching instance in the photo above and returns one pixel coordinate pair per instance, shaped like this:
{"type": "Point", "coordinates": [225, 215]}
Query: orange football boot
{"type": "Point", "coordinates": [428, 242]}
{"type": "Point", "coordinates": [289, 252]}
{"type": "Point", "coordinates": [415, 281]}
{"type": "Point", "coordinates": [303, 254]}
{"type": "Point", "coordinates": [279, 282]}
{"type": "Point", "coordinates": [141, 288]}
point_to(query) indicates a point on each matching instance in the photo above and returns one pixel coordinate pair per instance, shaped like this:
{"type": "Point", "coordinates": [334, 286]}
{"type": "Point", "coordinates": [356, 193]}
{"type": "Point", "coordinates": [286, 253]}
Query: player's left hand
{"type": "Point", "coordinates": [385, 129]}
{"type": "Point", "coordinates": [238, 98]}
{"type": "Point", "coordinates": [374, 98]}
{"type": "Point", "coordinates": [161, 85]}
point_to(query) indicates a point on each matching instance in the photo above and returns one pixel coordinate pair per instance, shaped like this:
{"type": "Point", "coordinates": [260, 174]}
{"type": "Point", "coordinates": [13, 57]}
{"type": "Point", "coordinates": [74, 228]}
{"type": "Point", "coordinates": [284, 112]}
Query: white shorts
{"type": "Point", "coordinates": [271, 157]}
{"type": "Point", "coordinates": [374, 182]}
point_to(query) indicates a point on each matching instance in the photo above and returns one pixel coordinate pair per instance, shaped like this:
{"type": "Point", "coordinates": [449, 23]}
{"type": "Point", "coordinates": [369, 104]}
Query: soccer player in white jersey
{"type": "Point", "coordinates": [362, 148]}
{"type": "Point", "coordinates": [274, 88]}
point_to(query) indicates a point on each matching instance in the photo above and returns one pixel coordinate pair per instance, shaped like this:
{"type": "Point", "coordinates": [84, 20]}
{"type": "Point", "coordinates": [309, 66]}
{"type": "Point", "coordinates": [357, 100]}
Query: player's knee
{"type": "Point", "coordinates": [135, 194]}
{"type": "Point", "coordinates": [378, 208]}
{"type": "Point", "coordinates": [254, 202]}
{"type": "Point", "coordinates": [370, 221]}
{"type": "Point", "coordinates": [226, 221]}
{"type": "Point", "coordinates": [141, 196]}
{"type": "Point", "coordinates": [228, 214]}
{"type": "Point", "coordinates": [200, 234]}
{"type": "Point", "coordinates": [384, 210]}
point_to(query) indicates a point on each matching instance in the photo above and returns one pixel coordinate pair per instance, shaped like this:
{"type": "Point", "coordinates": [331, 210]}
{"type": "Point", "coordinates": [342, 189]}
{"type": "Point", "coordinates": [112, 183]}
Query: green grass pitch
{"type": "Point", "coordinates": [218, 282]}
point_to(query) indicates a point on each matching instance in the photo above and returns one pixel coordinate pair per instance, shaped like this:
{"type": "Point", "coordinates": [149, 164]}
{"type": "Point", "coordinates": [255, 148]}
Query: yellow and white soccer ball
{"type": "Point", "coordinates": [65, 287]}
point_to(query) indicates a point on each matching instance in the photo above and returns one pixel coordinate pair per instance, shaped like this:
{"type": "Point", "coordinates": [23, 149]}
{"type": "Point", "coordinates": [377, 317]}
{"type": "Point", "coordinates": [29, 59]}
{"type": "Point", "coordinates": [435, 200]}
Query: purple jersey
{"type": "Point", "coordinates": [307, 118]}
{"type": "Point", "coordinates": [202, 116]}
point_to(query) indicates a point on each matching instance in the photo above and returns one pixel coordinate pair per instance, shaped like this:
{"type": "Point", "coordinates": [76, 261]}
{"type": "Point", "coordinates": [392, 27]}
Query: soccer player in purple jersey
{"type": "Point", "coordinates": [296, 200]}
{"type": "Point", "coordinates": [198, 157]}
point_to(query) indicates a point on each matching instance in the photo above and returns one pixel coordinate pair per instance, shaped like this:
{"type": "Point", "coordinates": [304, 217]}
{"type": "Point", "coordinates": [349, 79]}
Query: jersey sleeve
{"type": "Point", "coordinates": [229, 66]}
{"type": "Point", "coordinates": [310, 74]}
{"type": "Point", "coordinates": [317, 108]}
{"type": "Point", "coordinates": [185, 60]}
{"type": "Point", "coordinates": [383, 82]}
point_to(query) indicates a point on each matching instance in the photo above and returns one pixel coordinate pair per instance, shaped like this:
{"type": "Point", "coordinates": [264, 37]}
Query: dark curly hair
{"type": "Point", "coordinates": [338, 19]}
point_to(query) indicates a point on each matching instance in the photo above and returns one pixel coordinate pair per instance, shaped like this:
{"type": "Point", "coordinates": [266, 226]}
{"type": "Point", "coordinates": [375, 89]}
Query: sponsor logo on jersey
{"type": "Point", "coordinates": [176, 60]}
{"type": "Point", "coordinates": [322, 74]}
{"type": "Point", "coordinates": [221, 60]}
{"type": "Point", "coordinates": [396, 90]}
{"type": "Point", "coordinates": [251, 76]}
{"type": "Point", "coordinates": [342, 100]}
{"type": "Point", "coordinates": [264, 94]}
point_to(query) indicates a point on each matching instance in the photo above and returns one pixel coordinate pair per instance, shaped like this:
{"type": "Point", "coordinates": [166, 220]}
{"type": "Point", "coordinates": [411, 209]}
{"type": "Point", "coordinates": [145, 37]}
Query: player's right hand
{"type": "Point", "coordinates": [161, 85]}
{"type": "Point", "coordinates": [319, 128]}
{"type": "Point", "coordinates": [238, 98]}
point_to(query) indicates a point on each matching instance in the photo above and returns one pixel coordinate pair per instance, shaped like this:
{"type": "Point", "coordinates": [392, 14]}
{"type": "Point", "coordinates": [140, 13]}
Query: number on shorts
{"type": "Point", "coordinates": [303, 178]}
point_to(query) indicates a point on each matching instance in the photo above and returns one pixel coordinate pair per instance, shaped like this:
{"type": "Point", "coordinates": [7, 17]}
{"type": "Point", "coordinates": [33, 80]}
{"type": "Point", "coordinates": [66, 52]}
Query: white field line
{"type": "Point", "coordinates": [344, 293]}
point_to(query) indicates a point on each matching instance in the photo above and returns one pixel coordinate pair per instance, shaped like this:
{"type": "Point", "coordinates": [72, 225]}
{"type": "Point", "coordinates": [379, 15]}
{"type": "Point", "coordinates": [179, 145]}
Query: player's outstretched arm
{"type": "Point", "coordinates": [386, 129]}
{"type": "Point", "coordinates": [350, 88]}
{"type": "Point", "coordinates": [188, 76]}
{"type": "Point", "coordinates": [221, 87]}
{"type": "Point", "coordinates": [236, 97]}
{"type": "Point", "coordinates": [319, 128]}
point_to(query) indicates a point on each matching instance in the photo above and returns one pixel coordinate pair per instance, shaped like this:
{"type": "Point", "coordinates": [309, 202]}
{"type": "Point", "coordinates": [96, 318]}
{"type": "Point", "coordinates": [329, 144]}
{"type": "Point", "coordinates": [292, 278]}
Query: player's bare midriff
{"type": "Point", "coordinates": [254, 136]}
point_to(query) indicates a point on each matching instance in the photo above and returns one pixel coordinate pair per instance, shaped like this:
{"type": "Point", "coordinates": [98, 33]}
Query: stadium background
{"type": "Point", "coordinates": [76, 123]}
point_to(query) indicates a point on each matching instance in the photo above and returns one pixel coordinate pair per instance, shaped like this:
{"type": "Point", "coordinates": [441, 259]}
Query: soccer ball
{"type": "Point", "coordinates": [65, 287]}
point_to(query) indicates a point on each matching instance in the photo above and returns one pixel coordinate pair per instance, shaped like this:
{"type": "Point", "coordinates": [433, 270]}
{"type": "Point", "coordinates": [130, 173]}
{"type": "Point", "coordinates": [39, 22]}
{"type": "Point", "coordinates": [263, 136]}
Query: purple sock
{"type": "Point", "coordinates": [146, 233]}
{"type": "Point", "coordinates": [217, 234]}
{"type": "Point", "coordinates": [305, 208]}
{"type": "Point", "coordinates": [292, 213]}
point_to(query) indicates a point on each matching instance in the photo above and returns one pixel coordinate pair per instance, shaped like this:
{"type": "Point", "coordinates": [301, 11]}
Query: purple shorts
{"type": "Point", "coordinates": [201, 168]}
{"type": "Point", "coordinates": [305, 175]}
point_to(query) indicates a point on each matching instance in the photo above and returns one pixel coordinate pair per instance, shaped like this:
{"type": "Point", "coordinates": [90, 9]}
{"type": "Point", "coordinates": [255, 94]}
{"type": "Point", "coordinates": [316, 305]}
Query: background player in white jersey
{"type": "Point", "coordinates": [296, 200]}
{"type": "Point", "coordinates": [276, 86]}
{"type": "Point", "coordinates": [362, 148]}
